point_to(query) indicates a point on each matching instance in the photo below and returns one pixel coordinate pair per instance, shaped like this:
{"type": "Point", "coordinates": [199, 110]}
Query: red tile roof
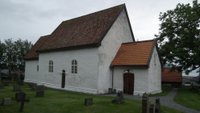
{"type": "Point", "coordinates": [33, 54]}
{"type": "Point", "coordinates": [134, 54]}
{"type": "Point", "coordinates": [84, 31]}
{"type": "Point", "coordinates": [171, 76]}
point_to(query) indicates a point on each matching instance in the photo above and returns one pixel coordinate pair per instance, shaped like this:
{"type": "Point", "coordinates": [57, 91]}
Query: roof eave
{"type": "Point", "coordinates": [129, 23]}
{"type": "Point", "coordinates": [33, 58]}
{"type": "Point", "coordinates": [139, 66]}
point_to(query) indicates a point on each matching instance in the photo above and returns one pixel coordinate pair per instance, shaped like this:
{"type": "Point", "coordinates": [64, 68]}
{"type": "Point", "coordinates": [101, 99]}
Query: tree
{"type": "Point", "coordinates": [2, 50]}
{"type": "Point", "coordinates": [179, 36]}
{"type": "Point", "coordinates": [21, 47]}
{"type": "Point", "coordinates": [13, 53]}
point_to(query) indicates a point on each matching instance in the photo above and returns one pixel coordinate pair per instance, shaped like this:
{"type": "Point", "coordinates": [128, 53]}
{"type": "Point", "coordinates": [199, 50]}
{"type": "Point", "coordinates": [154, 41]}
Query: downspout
{"type": "Point", "coordinates": [112, 69]}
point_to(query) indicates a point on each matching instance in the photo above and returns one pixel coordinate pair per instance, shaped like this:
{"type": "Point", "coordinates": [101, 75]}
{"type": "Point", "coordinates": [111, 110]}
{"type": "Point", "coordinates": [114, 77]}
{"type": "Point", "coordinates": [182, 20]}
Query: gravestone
{"type": "Point", "coordinates": [157, 106]}
{"type": "Point", "coordinates": [88, 101]}
{"type": "Point", "coordinates": [40, 91]}
{"type": "Point", "coordinates": [32, 86]}
{"type": "Point", "coordinates": [145, 103]}
{"type": "Point", "coordinates": [151, 108]}
{"type": "Point", "coordinates": [16, 88]}
{"type": "Point", "coordinates": [111, 91]}
{"type": "Point", "coordinates": [119, 99]}
{"type": "Point", "coordinates": [21, 97]}
{"type": "Point", "coordinates": [6, 101]}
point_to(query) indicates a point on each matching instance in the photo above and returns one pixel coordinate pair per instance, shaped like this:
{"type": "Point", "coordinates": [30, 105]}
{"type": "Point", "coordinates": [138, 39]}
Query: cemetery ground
{"type": "Point", "coordinates": [165, 90]}
{"type": "Point", "coordinates": [189, 97]}
{"type": "Point", "coordinates": [57, 101]}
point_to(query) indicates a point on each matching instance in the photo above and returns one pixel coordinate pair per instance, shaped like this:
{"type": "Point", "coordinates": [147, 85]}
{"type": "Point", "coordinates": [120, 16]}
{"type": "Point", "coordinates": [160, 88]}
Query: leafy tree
{"type": "Point", "coordinates": [13, 53]}
{"type": "Point", "coordinates": [179, 36]}
{"type": "Point", "coordinates": [21, 47]}
{"type": "Point", "coordinates": [2, 50]}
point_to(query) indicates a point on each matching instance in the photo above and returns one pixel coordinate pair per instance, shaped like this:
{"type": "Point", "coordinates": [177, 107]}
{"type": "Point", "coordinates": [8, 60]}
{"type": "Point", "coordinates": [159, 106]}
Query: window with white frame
{"type": "Point", "coordinates": [74, 68]}
{"type": "Point", "coordinates": [50, 66]}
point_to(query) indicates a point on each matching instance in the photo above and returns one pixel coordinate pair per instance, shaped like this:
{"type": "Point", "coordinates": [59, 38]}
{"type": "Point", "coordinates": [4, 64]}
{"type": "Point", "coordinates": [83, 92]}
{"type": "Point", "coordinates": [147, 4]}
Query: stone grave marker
{"type": "Point", "coordinates": [151, 108]}
{"type": "Point", "coordinates": [88, 101]}
{"type": "Point", "coordinates": [32, 86]}
{"type": "Point", "coordinates": [157, 106]}
{"type": "Point", "coordinates": [40, 91]}
{"type": "Point", "coordinates": [119, 99]}
{"type": "Point", "coordinates": [145, 103]}
{"type": "Point", "coordinates": [21, 97]}
{"type": "Point", "coordinates": [6, 101]}
{"type": "Point", "coordinates": [111, 91]}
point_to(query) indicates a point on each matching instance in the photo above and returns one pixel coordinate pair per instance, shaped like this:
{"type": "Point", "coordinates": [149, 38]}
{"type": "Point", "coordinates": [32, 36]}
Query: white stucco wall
{"type": "Point", "coordinates": [140, 81]}
{"type": "Point", "coordinates": [86, 78]}
{"type": "Point", "coordinates": [154, 74]}
{"type": "Point", "coordinates": [120, 32]}
{"type": "Point", "coordinates": [31, 73]}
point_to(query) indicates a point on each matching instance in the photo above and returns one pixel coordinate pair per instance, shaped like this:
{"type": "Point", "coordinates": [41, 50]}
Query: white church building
{"type": "Point", "coordinates": [97, 52]}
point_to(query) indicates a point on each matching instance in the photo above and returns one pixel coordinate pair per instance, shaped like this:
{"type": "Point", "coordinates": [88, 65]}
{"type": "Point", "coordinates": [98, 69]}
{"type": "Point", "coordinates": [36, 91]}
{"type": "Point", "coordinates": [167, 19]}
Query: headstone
{"type": "Point", "coordinates": [40, 91]}
{"type": "Point", "coordinates": [7, 101]}
{"type": "Point", "coordinates": [114, 91]}
{"type": "Point", "coordinates": [88, 101]}
{"type": "Point", "coordinates": [157, 106]}
{"type": "Point", "coordinates": [21, 97]}
{"type": "Point", "coordinates": [145, 103]}
{"type": "Point", "coordinates": [111, 91]}
{"type": "Point", "coordinates": [151, 108]}
{"type": "Point", "coordinates": [119, 99]}
{"type": "Point", "coordinates": [16, 88]}
{"type": "Point", "coordinates": [32, 86]}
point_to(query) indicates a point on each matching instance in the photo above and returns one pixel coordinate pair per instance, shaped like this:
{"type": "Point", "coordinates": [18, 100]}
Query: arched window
{"type": "Point", "coordinates": [50, 66]}
{"type": "Point", "coordinates": [74, 66]}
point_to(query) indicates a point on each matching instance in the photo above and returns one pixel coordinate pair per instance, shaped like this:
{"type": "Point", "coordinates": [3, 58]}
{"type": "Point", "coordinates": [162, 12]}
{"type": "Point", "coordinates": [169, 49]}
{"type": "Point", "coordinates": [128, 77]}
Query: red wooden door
{"type": "Point", "coordinates": [128, 83]}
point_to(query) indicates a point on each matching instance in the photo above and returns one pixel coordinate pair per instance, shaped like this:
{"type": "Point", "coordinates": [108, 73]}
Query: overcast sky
{"type": "Point", "coordinates": [30, 19]}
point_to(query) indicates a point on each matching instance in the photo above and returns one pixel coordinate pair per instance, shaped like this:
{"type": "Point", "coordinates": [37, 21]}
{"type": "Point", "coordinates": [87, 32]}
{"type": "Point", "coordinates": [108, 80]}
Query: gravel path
{"type": "Point", "coordinates": [168, 101]}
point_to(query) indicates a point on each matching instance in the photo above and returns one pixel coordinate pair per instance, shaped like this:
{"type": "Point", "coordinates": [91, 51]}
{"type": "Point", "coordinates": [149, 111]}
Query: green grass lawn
{"type": "Point", "coordinates": [188, 97]}
{"type": "Point", "coordinates": [56, 101]}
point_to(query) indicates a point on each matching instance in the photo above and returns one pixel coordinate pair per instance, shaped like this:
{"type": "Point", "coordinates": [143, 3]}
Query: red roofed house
{"type": "Point", "coordinates": [170, 76]}
{"type": "Point", "coordinates": [95, 50]}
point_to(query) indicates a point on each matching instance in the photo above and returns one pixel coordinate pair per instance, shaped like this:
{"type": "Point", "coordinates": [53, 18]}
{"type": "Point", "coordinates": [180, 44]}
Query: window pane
{"type": "Point", "coordinates": [74, 66]}
{"type": "Point", "coordinates": [50, 66]}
